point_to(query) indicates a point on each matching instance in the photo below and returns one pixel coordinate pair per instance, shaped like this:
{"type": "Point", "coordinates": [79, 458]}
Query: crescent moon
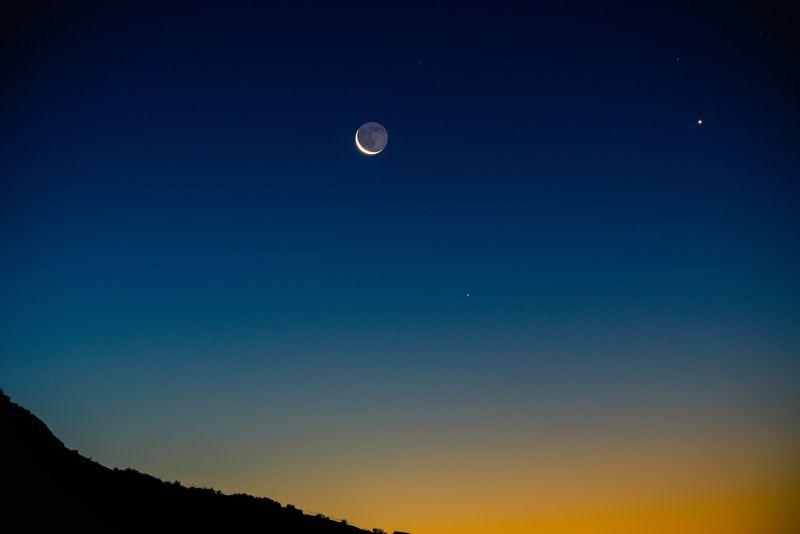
{"type": "Point", "coordinates": [364, 150]}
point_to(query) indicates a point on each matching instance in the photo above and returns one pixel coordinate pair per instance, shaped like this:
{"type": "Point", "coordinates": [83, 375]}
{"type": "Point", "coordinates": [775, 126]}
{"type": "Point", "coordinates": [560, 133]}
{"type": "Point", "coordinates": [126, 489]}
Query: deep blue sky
{"type": "Point", "coordinates": [187, 230]}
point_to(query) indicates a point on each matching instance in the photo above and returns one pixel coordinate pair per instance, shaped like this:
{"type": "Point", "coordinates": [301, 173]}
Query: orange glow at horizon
{"type": "Point", "coordinates": [620, 486]}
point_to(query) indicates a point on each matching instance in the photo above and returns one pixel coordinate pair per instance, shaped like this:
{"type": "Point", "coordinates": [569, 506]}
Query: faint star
{"type": "Point", "coordinates": [699, 122]}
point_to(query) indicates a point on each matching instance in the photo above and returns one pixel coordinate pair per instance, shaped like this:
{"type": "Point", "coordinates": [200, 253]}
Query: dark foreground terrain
{"type": "Point", "coordinates": [46, 487]}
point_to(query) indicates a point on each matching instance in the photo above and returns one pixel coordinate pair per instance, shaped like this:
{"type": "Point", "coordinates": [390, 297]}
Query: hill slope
{"type": "Point", "coordinates": [45, 487]}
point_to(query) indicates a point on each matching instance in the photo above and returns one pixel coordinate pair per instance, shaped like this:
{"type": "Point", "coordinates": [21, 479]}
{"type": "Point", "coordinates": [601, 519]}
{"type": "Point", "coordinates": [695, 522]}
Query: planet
{"type": "Point", "coordinates": [371, 138]}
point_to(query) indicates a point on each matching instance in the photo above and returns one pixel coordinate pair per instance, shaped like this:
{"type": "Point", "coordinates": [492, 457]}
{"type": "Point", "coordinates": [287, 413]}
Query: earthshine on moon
{"type": "Point", "coordinates": [371, 138]}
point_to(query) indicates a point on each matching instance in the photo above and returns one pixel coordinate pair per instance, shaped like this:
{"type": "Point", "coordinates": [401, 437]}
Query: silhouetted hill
{"type": "Point", "coordinates": [49, 488]}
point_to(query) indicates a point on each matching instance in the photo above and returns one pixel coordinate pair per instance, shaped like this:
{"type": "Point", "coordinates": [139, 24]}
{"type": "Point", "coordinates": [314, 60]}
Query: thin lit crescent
{"type": "Point", "coordinates": [364, 150]}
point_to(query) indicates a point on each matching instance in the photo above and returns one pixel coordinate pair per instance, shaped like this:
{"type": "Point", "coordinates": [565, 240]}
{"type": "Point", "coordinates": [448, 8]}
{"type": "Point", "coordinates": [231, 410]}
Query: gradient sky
{"type": "Point", "coordinates": [201, 278]}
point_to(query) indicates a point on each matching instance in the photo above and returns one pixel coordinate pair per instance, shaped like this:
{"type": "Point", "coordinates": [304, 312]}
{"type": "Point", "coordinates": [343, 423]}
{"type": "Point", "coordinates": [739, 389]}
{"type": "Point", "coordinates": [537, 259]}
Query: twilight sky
{"type": "Point", "coordinates": [203, 279]}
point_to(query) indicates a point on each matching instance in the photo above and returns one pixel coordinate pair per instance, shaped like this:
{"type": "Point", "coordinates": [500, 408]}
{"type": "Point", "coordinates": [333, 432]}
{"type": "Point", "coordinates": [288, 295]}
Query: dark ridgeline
{"type": "Point", "coordinates": [49, 488]}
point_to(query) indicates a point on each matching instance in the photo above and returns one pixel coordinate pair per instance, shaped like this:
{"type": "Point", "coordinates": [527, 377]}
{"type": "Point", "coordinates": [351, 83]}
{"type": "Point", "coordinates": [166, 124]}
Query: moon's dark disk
{"type": "Point", "coordinates": [371, 138]}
